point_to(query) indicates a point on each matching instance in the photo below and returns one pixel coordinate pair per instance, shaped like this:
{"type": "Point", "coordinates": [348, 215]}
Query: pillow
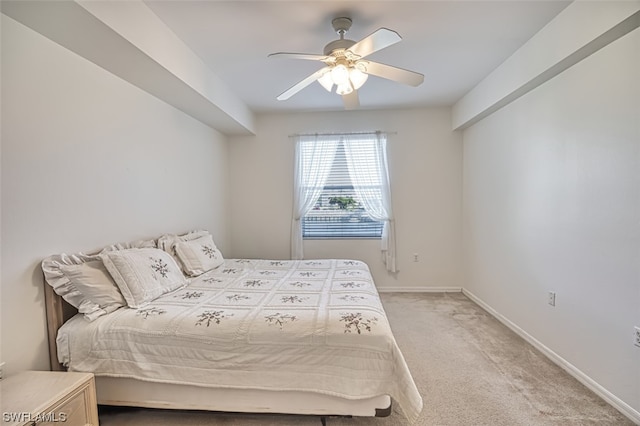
{"type": "Point", "coordinates": [83, 281]}
{"type": "Point", "coordinates": [143, 274]}
{"type": "Point", "coordinates": [198, 256]}
{"type": "Point", "coordinates": [168, 243]}
{"type": "Point", "coordinates": [93, 281]}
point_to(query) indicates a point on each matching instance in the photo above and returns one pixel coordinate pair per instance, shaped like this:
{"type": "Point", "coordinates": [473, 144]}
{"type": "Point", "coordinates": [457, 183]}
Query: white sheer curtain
{"type": "Point", "coordinates": [366, 156]}
{"type": "Point", "coordinates": [313, 161]}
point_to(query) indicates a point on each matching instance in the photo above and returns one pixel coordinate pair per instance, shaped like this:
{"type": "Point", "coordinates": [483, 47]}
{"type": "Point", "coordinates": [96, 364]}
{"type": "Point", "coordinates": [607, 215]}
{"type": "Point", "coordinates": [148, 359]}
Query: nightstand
{"type": "Point", "coordinates": [49, 398]}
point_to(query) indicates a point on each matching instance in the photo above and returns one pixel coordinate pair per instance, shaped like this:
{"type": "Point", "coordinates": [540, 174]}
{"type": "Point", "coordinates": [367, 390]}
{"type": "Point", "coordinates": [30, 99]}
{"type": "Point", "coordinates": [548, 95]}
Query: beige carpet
{"type": "Point", "coordinates": [469, 368]}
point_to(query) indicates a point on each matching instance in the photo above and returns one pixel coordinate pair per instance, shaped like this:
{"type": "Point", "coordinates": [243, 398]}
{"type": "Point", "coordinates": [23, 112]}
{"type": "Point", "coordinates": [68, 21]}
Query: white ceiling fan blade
{"type": "Point", "coordinates": [307, 56]}
{"type": "Point", "coordinates": [391, 73]}
{"type": "Point", "coordinates": [351, 101]}
{"type": "Point", "coordinates": [380, 39]}
{"type": "Point", "coordinates": [304, 83]}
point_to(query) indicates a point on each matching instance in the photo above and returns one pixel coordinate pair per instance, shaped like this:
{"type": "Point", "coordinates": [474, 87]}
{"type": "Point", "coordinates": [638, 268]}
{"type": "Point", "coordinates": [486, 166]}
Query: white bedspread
{"type": "Point", "coordinates": [309, 325]}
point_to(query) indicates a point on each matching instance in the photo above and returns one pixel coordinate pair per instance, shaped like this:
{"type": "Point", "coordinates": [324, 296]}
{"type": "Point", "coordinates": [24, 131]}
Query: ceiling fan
{"type": "Point", "coordinates": [346, 66]}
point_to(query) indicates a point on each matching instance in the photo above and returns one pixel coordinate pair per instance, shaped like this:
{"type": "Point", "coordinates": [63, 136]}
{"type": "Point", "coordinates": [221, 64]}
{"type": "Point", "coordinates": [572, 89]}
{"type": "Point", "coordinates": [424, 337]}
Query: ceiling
{"type": "Point", "coordinates": [455, 44]}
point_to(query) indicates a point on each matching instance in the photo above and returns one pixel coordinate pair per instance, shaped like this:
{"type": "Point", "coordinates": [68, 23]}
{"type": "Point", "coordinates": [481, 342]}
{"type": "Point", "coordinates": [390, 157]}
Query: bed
{"type": "Point", "coordinates": [249, 335]}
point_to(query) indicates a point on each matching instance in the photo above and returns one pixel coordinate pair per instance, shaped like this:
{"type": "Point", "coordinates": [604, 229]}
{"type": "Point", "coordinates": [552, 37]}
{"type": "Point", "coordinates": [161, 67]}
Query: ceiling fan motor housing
{"type": "Point", "coordinates": [334, 46]}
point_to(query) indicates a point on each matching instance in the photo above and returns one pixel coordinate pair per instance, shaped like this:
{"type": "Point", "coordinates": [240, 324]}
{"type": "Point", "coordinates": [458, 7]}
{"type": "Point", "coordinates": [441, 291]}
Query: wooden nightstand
{"type": "Point", "coordinates": [49, 398]}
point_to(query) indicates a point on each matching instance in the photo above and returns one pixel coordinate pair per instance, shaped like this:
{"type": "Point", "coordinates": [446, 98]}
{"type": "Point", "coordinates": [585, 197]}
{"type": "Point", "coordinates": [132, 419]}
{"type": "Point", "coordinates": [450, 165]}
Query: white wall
{"type": "Point", "coordinates": [88, 160]}
{"type": "Point", "coordinates": [425, 172]}
{"type": "Point", "coordinates": [552, 203]}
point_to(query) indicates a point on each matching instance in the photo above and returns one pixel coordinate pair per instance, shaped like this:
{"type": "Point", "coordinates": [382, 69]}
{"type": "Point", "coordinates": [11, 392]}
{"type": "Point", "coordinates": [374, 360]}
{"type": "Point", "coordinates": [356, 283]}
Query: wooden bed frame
{"type": "Point", "coordinates": [58, 312]}
{"type": "Point", "coordinates": [137, 393]}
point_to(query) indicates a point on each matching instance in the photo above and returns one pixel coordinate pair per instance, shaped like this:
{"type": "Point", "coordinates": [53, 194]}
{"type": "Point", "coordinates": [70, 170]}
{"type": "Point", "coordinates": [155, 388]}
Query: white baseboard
{"type": "Point", "coordinates": [613, 400]}
{"type": "Point", "coordinates": [419, 289]}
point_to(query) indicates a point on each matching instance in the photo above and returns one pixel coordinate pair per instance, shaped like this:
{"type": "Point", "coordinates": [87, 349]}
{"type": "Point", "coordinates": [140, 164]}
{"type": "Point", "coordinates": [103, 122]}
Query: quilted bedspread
{"type": "Point", "coordinates": [307, 325]}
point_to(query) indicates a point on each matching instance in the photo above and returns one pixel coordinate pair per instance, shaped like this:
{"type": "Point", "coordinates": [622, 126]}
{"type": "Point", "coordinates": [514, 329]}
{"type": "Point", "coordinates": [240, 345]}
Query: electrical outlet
{"type": "Point", "coordinates": [416, 258]}
{"type": "Point", "coordinates": [636, 336]}
{"type": "Point", "coordinates": [1, 370]}
{"type": "Point", "coordinates": [551, 298]}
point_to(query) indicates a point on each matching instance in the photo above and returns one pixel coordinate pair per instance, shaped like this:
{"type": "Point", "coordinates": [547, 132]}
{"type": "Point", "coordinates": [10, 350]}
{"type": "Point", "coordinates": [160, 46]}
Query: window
{"type": "Point", "coordinates": [338, 212]}
{"type": "Point", "coordinates": [341, 190]}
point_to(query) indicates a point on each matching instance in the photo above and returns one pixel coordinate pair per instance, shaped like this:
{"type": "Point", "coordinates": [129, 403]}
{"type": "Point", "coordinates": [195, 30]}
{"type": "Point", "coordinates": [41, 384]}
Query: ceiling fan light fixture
{"type": "Point", "coordinates": [344, 89]}
{"type": "Point", "coordinates": [340, 75]}
{"type": "Point", "coordinates": [326, 81]}
{"type": "Point", "coordinates": [357, 77]}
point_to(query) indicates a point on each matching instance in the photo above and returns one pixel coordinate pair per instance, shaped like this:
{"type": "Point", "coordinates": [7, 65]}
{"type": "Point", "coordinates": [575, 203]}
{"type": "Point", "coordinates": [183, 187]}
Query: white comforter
{"type": "Point", "coordinates": [309, 325]}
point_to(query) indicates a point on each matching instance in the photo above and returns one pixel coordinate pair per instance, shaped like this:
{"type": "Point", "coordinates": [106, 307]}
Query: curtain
{"type": "Point", "coordinates": [366, 156]}
{"type": "Point", "coordinates": [313, 161]}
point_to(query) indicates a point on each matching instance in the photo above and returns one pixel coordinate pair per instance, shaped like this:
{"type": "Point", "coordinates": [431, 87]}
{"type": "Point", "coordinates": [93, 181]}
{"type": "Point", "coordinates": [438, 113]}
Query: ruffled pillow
{"type": "Point", "coordinates": [84, 282]}
{"type": "Point", "coordinates": [198, 256]}
{"type": "Point", "coordinates": [143, 275]}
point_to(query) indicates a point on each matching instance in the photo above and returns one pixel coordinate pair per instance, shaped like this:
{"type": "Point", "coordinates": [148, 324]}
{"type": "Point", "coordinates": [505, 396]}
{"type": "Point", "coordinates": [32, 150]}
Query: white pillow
{"type": "Point", "coordinates": [93, 281]}
{"type": "Point", "coordinates": [143, 274]}
{"type": "Point", "coordinates": [83, 281]}
{"type": "Point", "coordinates": [198, 256]}
{"type": "Point", "coordinates": [168, 242]}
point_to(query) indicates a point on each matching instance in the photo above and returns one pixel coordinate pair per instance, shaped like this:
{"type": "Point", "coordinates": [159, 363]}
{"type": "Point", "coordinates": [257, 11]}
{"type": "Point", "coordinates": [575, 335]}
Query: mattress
{"type": "Point", "coordinates": [307, 325]}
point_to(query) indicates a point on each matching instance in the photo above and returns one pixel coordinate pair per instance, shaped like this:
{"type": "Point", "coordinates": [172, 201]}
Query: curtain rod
{"type": "Point", "coordinates": [342, 133]}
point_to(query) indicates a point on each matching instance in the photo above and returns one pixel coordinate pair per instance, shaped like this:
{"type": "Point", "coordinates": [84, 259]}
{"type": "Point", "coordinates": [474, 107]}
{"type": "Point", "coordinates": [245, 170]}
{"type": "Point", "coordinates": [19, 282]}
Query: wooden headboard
{"type": "Point", "coordinates": [58, 312]}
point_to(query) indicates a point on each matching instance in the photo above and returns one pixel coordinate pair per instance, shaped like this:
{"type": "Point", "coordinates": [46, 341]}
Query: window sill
{"type": "Point", "coordinates": [341, 238]}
